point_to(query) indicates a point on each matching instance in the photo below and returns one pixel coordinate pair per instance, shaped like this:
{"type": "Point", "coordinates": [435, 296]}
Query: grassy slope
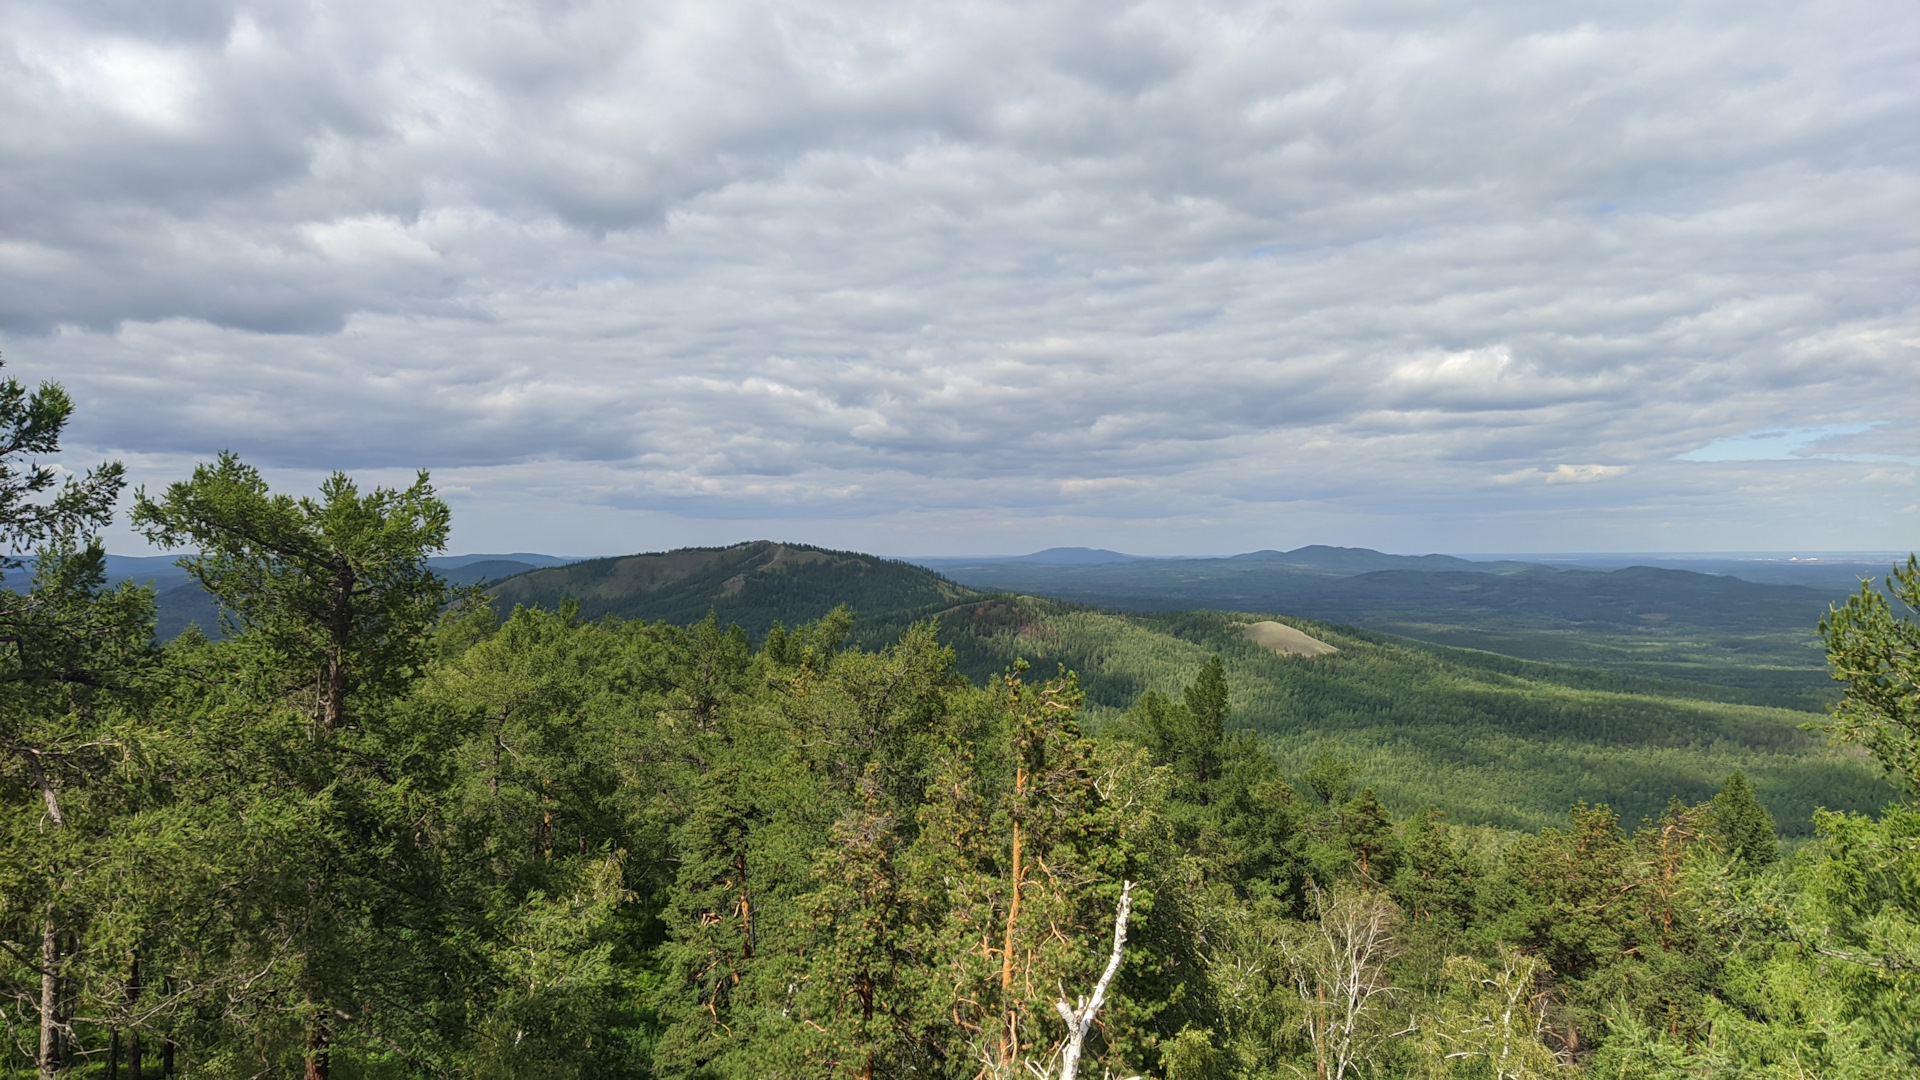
{"type": "Point", "coordinates": [1487, 738]}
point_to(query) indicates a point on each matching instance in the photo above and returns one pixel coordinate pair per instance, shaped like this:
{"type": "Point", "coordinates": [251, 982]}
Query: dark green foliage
{"type": "Point", "coordinates": [338, 585]}
{"type": "Point", "coordinates": [1741, 826]}
{"type": "Point", "coordinates": [376, 830]}
{"type": "Point", "coordinates": [751, 585]}
{"type": "Point", "coordinates": [1438, 885]}
{"type": "Point", "coordinates": [74, 660]}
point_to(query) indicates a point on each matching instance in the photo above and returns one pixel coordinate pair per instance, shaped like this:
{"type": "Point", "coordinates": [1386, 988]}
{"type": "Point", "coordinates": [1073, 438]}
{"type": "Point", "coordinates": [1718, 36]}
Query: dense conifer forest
{"type": "Point", "coordinates": [379, 826]}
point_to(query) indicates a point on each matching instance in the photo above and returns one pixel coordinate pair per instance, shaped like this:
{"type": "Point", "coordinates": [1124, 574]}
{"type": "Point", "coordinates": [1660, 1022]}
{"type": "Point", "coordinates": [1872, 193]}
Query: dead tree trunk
{"type": "Point", "coordinates": [1080, 1018]}
{"type": "Point", "coordinates": [49, 1060]}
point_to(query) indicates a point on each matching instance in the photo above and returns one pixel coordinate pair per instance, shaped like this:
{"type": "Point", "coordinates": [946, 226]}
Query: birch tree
{"type": "Point", "coordinates": [1338, 966]}
{"type": "Point", "coordinates": [1494, 1016]}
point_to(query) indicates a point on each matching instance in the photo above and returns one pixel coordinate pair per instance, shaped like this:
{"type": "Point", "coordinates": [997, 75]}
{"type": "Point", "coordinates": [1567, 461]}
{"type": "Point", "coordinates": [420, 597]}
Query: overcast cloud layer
{"type": "Point", "coordinates": [968, 277]}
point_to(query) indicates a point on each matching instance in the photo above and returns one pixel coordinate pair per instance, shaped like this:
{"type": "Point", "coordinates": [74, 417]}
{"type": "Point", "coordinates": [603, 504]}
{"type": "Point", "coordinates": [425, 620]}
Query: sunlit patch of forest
{"type": "Point", "coordinates": [1486, 738]}
{"type": "Point", "coordinates": [381, 827]}
{"type": "Point", "coordinates": [1662, 623]}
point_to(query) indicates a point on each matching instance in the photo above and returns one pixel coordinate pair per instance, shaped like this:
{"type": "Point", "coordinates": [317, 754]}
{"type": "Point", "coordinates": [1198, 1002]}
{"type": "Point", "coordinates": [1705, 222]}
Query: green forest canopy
{"type": "Point", "coordinates": [1487, 739]}
{"type": "Point", "coordinates": [383, 830]}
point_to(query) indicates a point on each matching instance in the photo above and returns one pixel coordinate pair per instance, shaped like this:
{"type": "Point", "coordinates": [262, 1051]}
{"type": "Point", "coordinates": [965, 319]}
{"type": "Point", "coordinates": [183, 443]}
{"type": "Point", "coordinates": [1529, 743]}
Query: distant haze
{"type": "Point", "coordinates": [1157, 278]}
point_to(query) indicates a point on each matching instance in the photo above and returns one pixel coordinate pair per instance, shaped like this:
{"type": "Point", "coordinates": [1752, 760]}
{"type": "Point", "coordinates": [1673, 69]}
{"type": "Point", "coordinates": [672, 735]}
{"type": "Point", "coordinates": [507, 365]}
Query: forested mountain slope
{"type": "Point", "coordinates": [754, 585]}
{"type": "Point", "coordinates": [1654, 621]}
{"type": "Point", "coordinates": [1487, 738]}
{"type": "Point", "coordinates": [378, 830]}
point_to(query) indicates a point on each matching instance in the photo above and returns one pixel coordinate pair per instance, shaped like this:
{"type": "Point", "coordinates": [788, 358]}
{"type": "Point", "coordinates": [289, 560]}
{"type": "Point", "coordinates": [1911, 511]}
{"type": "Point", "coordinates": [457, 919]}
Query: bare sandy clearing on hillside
{"type": "Point", "coordinates": [1285, 640]}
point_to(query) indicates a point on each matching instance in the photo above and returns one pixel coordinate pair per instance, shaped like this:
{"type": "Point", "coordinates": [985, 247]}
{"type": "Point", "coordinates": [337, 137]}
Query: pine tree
{"type": "Point", "coordinates": [339, 585]}
{"type": "Point", "coordinates": [1876, 653]}
{"type": "Point", "coordinates": [710, 912]}
{"type": "Point", "coordinates": [855, 995]}
{"type": "Point", "coordinates": [67, 645]}
{"type": "Point", "coordinates": [330, 604]}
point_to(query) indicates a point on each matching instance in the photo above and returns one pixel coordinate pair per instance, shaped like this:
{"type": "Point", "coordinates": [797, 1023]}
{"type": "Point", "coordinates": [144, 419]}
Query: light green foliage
{"type": "Point", "coordinates": [1876, 654]}
{"type": "Point", "coordinates": [1491, 1021]}
{"type": "Point", "coordinates": [1338, 966]}
{"type": "Point", "coordinates": [1192, 1055]}
{"type": "Point", "coordinates": [1861, 904]}
{"type": "Point", "coordinates": [1488, 739]}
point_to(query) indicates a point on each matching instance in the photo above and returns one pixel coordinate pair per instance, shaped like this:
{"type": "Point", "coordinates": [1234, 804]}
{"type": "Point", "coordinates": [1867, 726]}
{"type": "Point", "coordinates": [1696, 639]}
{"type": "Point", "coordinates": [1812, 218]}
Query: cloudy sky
{"type": "Point", "coordinates": [968, 277]}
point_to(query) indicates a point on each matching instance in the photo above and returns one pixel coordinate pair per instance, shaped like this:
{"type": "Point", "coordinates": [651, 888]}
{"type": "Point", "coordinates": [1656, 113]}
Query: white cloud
{"type": "Point", "coordinates": [856, 266]}
{"type": "Point", "coordinates": [1564, 474]}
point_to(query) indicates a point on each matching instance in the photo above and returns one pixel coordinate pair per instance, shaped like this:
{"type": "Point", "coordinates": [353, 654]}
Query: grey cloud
{"type": "Point", "coordinates": [858, 261]}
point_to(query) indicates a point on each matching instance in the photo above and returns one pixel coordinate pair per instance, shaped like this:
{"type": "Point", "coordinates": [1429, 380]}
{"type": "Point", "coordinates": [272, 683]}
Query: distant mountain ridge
{"type": "Point", "coordinates": [1053, 556]}
{"type": "Point", "coordinates": [1325, 559]}
{"type": "Point", "coordinates": [1313, 558]}
{"type": "Point", "coordinates": [1510, 606]}
{"type": "Point", "coordinates": [1364, 587]}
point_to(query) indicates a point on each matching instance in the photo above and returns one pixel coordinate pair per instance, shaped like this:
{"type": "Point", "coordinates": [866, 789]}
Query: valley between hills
{"type": "Point", "coordinates": [1501, 693]}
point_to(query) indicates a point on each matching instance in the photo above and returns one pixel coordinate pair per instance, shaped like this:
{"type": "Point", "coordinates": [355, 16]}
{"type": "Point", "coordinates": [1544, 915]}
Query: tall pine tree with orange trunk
{"type": "Point", "coordinates": [1025, 839]}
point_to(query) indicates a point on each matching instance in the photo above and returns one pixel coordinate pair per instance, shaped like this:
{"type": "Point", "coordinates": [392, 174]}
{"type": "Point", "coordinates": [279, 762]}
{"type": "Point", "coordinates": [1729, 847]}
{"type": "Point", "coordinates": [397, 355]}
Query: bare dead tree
{"type": "Point", "coordinates": [1338, 967]}
{"type": "Point", "coordinates": [1080, 1017]}
{"type": "Point", "coordinates": [1497, 1015]}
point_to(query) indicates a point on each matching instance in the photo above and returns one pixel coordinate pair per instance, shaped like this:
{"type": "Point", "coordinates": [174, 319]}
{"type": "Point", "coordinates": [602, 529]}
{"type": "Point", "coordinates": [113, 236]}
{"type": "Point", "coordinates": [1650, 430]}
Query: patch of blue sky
{"type": "Point", "coordinates": [1782, 444]}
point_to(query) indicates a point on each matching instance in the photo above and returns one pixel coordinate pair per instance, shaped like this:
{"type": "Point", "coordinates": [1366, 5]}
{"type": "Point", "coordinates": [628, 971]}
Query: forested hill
{"type": "Point", "coordinates": [1356, 585]}
{"type": "Point", "coordinates": [1487, 739]}
{"type": "Point", "coordinates": [754, 585]}
{"type": "Point", "coordinates": [1647, 620]}
{"type": "Point", "coordinates": [379, 828]}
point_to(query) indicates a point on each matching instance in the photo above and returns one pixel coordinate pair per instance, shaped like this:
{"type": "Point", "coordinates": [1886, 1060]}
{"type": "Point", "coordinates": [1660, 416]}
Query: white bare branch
{"type": "Point", "coordinates": [1080, 1018]}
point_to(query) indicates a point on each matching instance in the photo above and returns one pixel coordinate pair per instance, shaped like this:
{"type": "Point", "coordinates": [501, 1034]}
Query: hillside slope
{"type": "Point", "coordinates": [1490, 739]}
{"type": "Point", "coordinates": [1654, 621]}
{"type": "Point", "coordinates": [1487, 738]}
{"type": "Point", "coordinates": [754, 584]}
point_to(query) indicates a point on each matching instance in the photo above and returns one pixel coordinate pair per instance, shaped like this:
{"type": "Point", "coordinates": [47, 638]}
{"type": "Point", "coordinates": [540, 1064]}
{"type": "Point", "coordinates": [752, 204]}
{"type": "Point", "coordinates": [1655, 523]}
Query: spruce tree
{"type": "Point", "coordinates": [1743, 828]}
